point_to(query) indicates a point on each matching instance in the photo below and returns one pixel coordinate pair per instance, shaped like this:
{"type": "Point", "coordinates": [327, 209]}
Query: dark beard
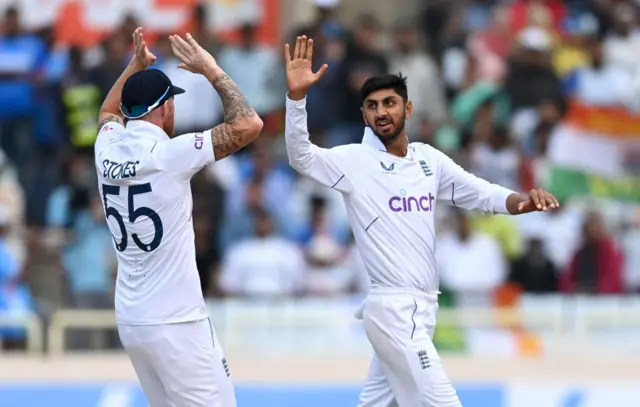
{"type": "Point", "coordinates": [386, 138]}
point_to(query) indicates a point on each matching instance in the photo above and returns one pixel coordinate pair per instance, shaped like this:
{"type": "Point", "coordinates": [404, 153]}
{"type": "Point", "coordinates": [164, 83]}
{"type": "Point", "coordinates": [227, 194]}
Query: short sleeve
{"type": "Point", "coordinates": [184, 155]}
{"type": "Point", "coordinates": [107, 132]}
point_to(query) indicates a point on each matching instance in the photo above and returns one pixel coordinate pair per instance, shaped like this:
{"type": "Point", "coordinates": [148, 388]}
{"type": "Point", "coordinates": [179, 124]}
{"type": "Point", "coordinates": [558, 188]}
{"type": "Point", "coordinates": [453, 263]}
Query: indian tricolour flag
{"type": "Point", "coordinates": [596, 151]}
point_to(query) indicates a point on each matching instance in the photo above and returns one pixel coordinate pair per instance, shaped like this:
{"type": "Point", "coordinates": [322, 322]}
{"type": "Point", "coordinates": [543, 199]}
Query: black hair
{"type": "Point", "coordinates": [397, 83]}
{"type": "Point", "coordinates": [318, 202]}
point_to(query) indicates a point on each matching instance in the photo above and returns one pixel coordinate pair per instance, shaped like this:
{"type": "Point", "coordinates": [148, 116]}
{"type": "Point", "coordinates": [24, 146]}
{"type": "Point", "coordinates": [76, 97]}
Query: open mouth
{"type": "Point", "coordinates": [384, 124]}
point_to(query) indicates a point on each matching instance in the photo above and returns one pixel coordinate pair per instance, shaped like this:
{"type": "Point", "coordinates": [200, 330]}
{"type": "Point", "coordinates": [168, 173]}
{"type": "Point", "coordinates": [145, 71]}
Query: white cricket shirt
{"type": "Point", "coordinates": [391, 200]}
{"type": "Point", "coordinates": [143, 178]}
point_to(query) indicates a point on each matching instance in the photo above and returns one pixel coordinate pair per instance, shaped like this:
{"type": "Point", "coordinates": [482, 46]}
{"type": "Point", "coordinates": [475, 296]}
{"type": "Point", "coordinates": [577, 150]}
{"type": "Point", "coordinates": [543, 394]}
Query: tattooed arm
{"type": "Point", "coordinates": [241, 123]}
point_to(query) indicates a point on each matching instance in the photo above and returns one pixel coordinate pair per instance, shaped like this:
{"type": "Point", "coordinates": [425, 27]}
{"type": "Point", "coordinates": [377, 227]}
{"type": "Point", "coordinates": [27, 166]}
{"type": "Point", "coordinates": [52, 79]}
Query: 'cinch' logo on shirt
{"type": "Point", "coordinates": [406, 203]}
{"type": "Point", "coordinates": [199, 141]}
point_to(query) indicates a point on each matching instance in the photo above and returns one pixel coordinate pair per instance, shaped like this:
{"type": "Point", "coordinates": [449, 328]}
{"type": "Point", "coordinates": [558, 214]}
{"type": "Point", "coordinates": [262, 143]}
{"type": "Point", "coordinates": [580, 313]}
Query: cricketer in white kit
{"type": "Point", "coordinates": [391, 190]}
{"type": "Point", "coordinates": [144, 175]}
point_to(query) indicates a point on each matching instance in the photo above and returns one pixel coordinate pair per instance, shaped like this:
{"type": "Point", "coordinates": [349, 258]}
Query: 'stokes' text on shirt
{"type": "Point", "coordinates": [116, 170]}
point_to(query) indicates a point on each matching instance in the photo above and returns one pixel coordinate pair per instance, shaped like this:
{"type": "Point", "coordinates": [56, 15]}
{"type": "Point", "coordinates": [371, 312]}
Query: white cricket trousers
{"type": "Point", "coordinates": [179, 365]}
{"type": "Point", "coordinates": [406, 370]}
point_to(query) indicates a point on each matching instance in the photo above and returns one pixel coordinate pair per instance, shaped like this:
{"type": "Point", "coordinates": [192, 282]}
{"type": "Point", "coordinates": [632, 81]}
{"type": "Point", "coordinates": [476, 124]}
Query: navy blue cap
{"type": "Point", "coordinates": [144, 91]}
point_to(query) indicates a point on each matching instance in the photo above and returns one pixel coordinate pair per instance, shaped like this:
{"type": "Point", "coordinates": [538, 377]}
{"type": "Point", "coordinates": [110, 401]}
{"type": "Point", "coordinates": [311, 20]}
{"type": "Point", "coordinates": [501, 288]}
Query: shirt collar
{"type": "Point", "coordinates": [144, 129]}
{"type": "Point", "coordinates": [371, 140]}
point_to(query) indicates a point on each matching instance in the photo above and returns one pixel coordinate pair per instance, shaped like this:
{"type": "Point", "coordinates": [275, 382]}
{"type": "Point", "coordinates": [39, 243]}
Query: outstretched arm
{"type": "Point", "coordinates": [142, 59]}
{"type": "Point", "coordinates": [466, 191]}
{"type": "Point", "coordinates": [241, 123]}
{"type": "Point", "coordinates": [326, 166]}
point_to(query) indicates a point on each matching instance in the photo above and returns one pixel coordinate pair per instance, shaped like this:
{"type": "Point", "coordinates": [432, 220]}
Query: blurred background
{"type": "Point", "coordinates": [538, 310]}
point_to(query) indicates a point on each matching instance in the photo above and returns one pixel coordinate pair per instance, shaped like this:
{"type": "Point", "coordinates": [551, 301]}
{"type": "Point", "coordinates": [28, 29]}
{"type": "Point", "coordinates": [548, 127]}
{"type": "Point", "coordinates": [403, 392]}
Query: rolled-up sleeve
{"type": "Point", "coordinates": [464, 190]}
{"type": "Point", "coordinates": [329, 167]}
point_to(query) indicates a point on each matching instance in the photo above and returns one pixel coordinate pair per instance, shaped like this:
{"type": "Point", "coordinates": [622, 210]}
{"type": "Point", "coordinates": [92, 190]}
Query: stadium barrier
{"type": "Point", "coordinates": [561, 325]}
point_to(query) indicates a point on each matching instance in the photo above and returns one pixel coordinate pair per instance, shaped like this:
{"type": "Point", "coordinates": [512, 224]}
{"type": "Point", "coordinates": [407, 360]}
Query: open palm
{"type": "Point", "coordinates": [299, 74]}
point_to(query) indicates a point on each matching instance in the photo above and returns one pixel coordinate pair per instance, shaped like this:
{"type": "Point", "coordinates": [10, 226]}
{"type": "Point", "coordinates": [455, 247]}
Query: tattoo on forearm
{"type": "Point", "coordinates": [234, 103]}
{"type": "Point", "coordinates": [227, 139]}
{"type": "Point", "coordinates": [108, 119]}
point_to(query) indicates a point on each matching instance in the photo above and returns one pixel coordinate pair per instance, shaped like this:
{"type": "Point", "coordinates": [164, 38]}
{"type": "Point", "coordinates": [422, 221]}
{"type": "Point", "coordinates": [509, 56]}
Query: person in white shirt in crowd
{"type": "Point", "coordinates": [623, 41]}
{"type": "Point", "coordinates": [458, 256]}
{"type": "Point", "coordinates": [200, 111]}
{"type": "Point", "coordinates": [496, 159]}
{"type": "Point", "coordinates": [560, 231]}
{"type": "Point", "coordinates": [266, 265]}
{"type": "Point", "coordinates": [144, 175]}
{"type": "Point", "coordinates": [391, 189]}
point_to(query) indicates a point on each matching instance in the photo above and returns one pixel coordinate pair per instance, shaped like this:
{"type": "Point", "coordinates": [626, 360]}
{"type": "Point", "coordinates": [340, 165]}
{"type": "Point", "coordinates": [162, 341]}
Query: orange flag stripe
{"type": "Point", "coordinates": [615, 122]}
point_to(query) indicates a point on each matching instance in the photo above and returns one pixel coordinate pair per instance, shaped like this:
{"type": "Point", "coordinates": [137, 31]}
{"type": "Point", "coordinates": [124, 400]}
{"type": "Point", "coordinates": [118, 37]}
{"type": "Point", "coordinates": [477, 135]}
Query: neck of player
{"type": "Point", "coordinates": [398, 146]}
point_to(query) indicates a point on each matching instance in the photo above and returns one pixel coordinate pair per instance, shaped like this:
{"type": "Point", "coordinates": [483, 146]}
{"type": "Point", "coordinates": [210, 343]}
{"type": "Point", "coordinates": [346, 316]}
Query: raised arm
{"type": "Point", "coordinates": [142, 59]}
{"type": "Point", "coordinates": [241, 123]}
{"type": "Point", "coordinates": [466, 191]}
{"type": "Point", "coordinates": [326, 166]}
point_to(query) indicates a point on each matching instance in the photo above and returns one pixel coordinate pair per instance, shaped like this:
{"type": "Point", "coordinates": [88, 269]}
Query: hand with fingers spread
{"type": "Point", "coordinates": [194, 58]}
{"type": "Point", "coordinates": [539, 201]}
{"type": "Point", "coordinates": [143, 56]}
{"type": "Point", "coordinates": [299, 74]}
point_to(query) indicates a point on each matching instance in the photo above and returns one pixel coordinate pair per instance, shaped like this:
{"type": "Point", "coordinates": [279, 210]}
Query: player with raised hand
{"type": "Point", "coordinates": [391, 189]}
{"type": "Point", "coordinates": [144, 175]}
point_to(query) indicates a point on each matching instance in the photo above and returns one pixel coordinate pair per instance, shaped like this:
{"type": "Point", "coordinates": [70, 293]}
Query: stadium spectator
{"type": "Point", "coordinates": [320, 225]}
{"type": "Point", "coordinates": [425, 86]}
{"type": "Point", "coordinates": [533, 271]}
{"type": "Point", "coordinates": [596, 267]}
{"type": "Point", "coordinates": [203, 30]}
{"type": "Point", "coordinates": [15, 298]}
{"type": "Point", "coordinates": [630, 241]}
{"type": "Point", "coordinates": [12, 199]}
{"type": "Point", "coordinates": [265, 265]}
{"type": "Point", "coordinates": [194, 112]}
{"type": "Point", "coordinates": [362, 60]}
{"type": "Point", "coordinates": [23, 56]}
{"type": "Point", "coordinates": [208, 213]}
{"type": "Point", "coordinates": [531, 78]}
{"type": "Point", "coordinates": [326, 275]}
{"type": "Point", "coordinates": [497, 159]}
{"type": "Point", "coordinates": [600, 83]}
{"type": "Point", "coordinates": [489, 48]}
{"type": "Point", "coordinates": [623, 41]}
{"type": "Point", "coordinates": [469, 262]}
{"type": "Point", "coordinates": [256, 69]}
{"type": "Point", "coordinates": [90, 267]}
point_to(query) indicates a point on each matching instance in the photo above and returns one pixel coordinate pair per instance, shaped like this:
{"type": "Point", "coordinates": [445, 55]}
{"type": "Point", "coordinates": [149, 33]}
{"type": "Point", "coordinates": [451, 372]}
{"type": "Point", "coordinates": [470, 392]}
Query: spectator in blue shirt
{"type": "Point", "coordinates": [21, 56]}
{"type": "Point", "coordinates": [15, 298]}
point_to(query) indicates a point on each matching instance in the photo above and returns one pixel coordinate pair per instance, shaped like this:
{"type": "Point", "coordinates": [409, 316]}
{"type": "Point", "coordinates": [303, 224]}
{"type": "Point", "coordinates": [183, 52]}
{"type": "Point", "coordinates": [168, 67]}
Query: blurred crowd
{"type": "Point", "coordinates": [489, 81]}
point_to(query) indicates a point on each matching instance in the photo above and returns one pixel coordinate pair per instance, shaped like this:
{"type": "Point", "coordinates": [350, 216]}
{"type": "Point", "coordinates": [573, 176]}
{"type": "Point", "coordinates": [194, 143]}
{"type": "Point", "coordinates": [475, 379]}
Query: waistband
{"type": "Point", "coordinates": [430, 295]}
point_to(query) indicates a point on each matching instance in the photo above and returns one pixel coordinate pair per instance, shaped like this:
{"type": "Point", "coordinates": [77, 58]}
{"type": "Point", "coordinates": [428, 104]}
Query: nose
{"type": "Point", "coordinates": [381, 111]}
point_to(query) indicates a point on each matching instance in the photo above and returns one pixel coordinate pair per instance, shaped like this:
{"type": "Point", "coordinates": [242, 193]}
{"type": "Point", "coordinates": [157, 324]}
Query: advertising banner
{"type": "Point", "coordinates": [85, 22]}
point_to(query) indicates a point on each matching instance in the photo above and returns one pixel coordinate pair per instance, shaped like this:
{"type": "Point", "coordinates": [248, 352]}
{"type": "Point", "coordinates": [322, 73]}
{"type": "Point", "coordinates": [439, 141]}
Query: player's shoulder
{"type": "Point", "coordinates": [109, 130]}
{"type": "Point", "coordinates": [427, 150]}
{"type": "Point", "coordinates": [353, 149]}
